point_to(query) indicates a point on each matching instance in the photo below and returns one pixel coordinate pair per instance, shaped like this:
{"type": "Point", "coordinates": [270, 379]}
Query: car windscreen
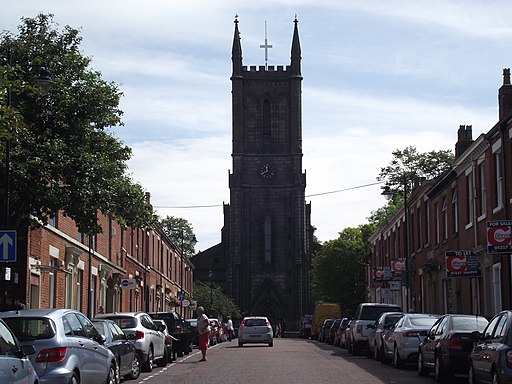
{"type": "Point", "coordinates": [422, 321]}
{"type": "Point", "coordinates": [255, 323]}
{"type": "Point", "coordinates": [372, 312]}
{"type": "Point", "coordinates": [124, 322]}
{"type": "Point", "coordinates": [469, 324]}
{"type": "Point", "coordinates": [31, 328]}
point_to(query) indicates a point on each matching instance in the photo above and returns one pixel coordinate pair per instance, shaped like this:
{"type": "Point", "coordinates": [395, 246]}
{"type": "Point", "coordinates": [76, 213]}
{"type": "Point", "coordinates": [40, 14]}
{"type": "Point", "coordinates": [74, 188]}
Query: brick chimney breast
{"type": "Point", "coordinates": [464, 139]}
{"type": "Point", "coordinates": [505, 95]}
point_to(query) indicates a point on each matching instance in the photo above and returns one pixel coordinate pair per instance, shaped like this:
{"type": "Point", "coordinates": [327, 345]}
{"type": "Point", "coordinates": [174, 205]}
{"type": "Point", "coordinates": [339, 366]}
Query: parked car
{"type": "Point", "coordinates": [178, 329]}
{"type": "Point", "coordinates": [402, 343]}
{"type": "Point", "coordinates": [217, 330]}
{"type": "Point", "coordinates": [332, 331]}
{"type": "Point", "coordinates": [55, 335]}
{"type": "Point", "coordinates": [447, 345]}
{"type": "Point", "coordinates": [192, 325]}
{"type": "Point", "coordinates": [128, 360]}
{"type": "Point", "coordinates": [340, 333]}
{"type": "Point", "coordinates": [344, 336]}
{"type": "Point", "coordinates": [366, 313]}
{"type": "Point", "coordinates": [255, 329]}
{"type": "Point", "coordinates": [324, 330]}
{"type": "Point", "coordinates": [379, 330]}
{"type": "Point", "coordinates": [490, 361]}
{"type": "Point", "coordinates": [15, 366]}
{"type": "Point", "coordinates": [149, 340]}
{"type": "Point", "coordinates": [168, 340]}
{"type": "Point", "coordinates": [213, 334]}
{"type": "Point", "coordinates": [305, 326]}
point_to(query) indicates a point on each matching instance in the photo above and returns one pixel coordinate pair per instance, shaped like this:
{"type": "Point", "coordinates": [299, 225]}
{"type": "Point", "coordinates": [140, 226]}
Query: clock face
{"type": "Point", "coordinates": [267, 171]}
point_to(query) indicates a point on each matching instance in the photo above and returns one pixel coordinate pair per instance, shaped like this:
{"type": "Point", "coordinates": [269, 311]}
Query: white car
{"type": "Point", "coordinates": [15, 367]}
{"type": "Point", "coordinates": [255, 329]}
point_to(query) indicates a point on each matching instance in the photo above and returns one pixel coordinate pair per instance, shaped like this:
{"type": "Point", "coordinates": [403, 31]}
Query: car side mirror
{"type": "Point", "coordinates": [100, 339]}
{"type": "Point", "coordinates": [475, 336]}
{"type": "Point", "coordinates": [161, 327]}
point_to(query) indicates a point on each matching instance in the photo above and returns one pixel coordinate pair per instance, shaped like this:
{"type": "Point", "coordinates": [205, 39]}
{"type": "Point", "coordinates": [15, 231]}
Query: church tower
{"type": "Point", "coordinates": [267, 231]}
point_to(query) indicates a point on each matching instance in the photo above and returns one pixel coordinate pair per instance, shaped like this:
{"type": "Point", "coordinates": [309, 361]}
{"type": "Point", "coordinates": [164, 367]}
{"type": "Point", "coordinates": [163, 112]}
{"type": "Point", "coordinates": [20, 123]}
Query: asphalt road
{"type": "Point", "coordinates": [290, 361]}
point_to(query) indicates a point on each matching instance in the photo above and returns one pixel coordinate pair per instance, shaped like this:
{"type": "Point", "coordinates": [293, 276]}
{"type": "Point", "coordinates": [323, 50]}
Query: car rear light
{"type": "Point", "coordinates": [51, 355]}
{"type": "Point", "coordinates": [242, 325]}
{"type": "Point", "coordinates": [139, 335]}
{"type": "Point", "coordinates": [455, 342]}
{"type": "Point", "coordinates": [178, 329]}
{"type": "Point", "coordinates": [508, 358]}
{"type": "Point", "coordinates": [267, 324]}
{"type": "Point", "coordinates": [167, 339]}
{"type": "Point", "coordinates": [410, 334]}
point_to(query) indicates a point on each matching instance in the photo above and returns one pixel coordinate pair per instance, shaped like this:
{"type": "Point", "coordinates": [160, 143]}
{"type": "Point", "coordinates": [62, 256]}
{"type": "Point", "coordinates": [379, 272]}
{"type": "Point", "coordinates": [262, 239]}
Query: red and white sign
{"type": "Point", "coordinates": [499, 236]}
{"type": "Point", "coordinates": [398, 266]}
{"type": "Point", "coordinates": [462, 264]}
{"type": "Point", "coordinates": [381, 273]}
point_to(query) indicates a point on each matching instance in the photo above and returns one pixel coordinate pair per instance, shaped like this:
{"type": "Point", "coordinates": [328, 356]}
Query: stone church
{"type": "Point", "coordinates": [263, 261]}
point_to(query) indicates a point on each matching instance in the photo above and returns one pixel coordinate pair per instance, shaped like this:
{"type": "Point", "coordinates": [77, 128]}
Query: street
{"type": "Point", "coordinates": [289, 361]}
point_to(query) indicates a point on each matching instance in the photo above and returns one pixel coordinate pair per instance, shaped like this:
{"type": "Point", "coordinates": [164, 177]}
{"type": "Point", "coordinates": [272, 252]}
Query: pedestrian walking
{"type": "Point", "coordinates": [203, 328]}
{"type": "Point", "coordinates": [231, 329]}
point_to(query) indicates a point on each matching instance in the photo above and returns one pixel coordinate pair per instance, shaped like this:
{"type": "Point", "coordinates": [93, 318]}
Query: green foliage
{"type": "Point", "coordinates": [181, 233]}
{"type": "Point", "coordinates": [338, 269]}
{"type": "Point", "coordinates": [406, 167]}
{"type": "Point", "coordinates": [214, 301]}
{"type": "Point", "coordinates": [62, 156]}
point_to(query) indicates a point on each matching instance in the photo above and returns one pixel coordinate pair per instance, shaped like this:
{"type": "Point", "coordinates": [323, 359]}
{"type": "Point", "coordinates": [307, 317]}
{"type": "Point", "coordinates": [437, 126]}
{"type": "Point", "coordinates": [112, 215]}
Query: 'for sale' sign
{"type": "Point", "coordinates": [462, 264]}
{"type": "Point", "coordinates": [499, 239]}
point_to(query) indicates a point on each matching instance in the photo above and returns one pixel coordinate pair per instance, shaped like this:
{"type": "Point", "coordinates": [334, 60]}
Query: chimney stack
{"type": "Point", "coordinates": [464, 139]}
{"type": "Point", "coordinates": [505, 95]}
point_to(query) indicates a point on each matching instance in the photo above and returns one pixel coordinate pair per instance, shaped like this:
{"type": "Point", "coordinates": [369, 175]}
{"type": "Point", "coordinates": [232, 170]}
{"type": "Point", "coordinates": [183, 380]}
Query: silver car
{"type": "Point", "coordinates": [68, 348]}
{"type": "Point", "coordinates": [255, 329]}
{"type": "Point", "coordinates": [149, 340]}
{"type": "Point", "coordinates": [15, 366]}
{"type": "Point", "coordinates": [402, 343]}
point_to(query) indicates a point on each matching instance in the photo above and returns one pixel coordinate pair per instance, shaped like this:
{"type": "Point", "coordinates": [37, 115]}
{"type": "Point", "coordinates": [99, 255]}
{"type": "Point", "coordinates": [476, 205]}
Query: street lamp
{"type": "Point", "coordinates": [210, 276]}
{"type": "Point", "coordinates": [388, 194]}
{"type": "Point", "coordinates": [193, 241]}
{"type": "Point", "coordinates": [44, 82]}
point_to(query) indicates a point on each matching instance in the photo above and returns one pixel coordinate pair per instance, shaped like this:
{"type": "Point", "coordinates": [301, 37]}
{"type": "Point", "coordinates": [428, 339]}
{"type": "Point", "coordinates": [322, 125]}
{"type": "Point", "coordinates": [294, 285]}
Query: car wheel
{"type": "Point", "coordinates": [240, 344]}
{"type": "Point", "coordinates": [355, 350]}
{"type": "Point", "coordinates": [135, 368]}
{"type": "Point", "coordinates": [376, 352]}
{"type": "Point", "coordinates": [164, 360]}
{"type": "Point", "coordinates": [421, 368]}
{"type": "Point", "coordinates": [148, 364]}
{"type": "Point", "coordinates": [495, 378]}
{"type": "Point", "coordinates": [271, 344]}
{"type": "Point", "coordinates": [440, 373]}
{"type": "Point", "coordinates": [74, 379]}
{"type": "Point", "coordinates": [397, 360]}
{"type": "Point", "coordinates": [471, 374]}
{"type": "Point", "coordinates": [113, 375]}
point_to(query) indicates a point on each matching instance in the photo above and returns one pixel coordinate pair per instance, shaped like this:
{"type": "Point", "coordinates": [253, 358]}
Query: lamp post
{"type": "Point", "coordinates": [388, 194]}
{"type": "Point", "coordinates": [210, 276]}
{"type": "Point", "coordinates": [193, 241]}
{"type": "Point", "coordinates": [44, 82]}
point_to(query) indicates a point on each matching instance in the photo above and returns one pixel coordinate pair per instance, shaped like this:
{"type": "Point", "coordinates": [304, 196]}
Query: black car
{"type": "Point", "coordinates": [128, 360]}
{"type": "Point", "coordinates": [446, 348]}
{"type": "Point", "coordinates": [182, 342]}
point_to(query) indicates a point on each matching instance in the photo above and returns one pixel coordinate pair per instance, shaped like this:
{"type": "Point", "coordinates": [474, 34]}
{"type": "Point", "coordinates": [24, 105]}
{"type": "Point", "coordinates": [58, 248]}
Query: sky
{"type": "Point", "coordinates": [377, 76]}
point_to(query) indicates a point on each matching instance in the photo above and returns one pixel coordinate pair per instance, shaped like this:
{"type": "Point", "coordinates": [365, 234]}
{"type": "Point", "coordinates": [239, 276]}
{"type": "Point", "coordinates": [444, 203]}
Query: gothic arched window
{"type": "Point", "coordinates": [267, 121]}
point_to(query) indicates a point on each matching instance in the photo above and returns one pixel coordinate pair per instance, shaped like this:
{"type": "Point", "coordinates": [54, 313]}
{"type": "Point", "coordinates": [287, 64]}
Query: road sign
{"type": "Point", "coordinates": [185, 303]}
{"type": "Point", "coordinates": [7, 246]}
{"type": "Point", "coordinates": [128, 283]}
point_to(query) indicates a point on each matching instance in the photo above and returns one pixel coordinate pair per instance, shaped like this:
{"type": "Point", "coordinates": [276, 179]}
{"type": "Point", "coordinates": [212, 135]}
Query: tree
{"type": "Point", "coordinates": [181, 233]}
{"type": "Point", "coordinates": [62, 156]}
{"type": "Point", "coordinates": [338, 270]}
{"type": "Point", "coordinates": [406, 167]}
{"type": "Point", "coordinates": [215, 302]}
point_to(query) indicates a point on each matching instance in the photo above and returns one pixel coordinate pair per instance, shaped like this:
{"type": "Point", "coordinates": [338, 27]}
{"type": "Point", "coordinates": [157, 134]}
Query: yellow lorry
{"type": "Point", "coordinates": [323, 311]}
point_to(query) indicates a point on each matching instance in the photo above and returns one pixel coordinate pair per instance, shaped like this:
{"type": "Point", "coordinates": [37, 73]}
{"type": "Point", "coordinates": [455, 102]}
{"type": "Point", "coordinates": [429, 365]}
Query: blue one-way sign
{"type": "Point", "coordinates": [7, 246]}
